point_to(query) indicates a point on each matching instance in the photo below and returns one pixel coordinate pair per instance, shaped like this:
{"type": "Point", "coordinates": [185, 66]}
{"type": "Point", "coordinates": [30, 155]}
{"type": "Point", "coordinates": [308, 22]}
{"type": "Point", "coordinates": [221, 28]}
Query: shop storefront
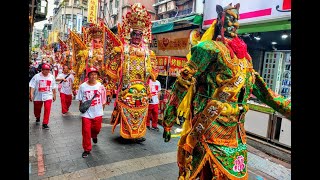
{"type": "Point", "coordinates": [265, 26]}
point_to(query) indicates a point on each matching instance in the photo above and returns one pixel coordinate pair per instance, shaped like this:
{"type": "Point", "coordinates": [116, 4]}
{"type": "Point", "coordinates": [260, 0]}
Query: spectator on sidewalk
{"type": "Point", "coordinates": [43, 61]}
{"type": "Point", "coordinates": [65, 80]}
{"type": "Point", "coordinates": [92, 119]}
{"type": "Point", "coordinates": [32, 71]}
{"type": "Point", "coordinates": [42, 91]}
{"type": "Point", "coordinates": [153, 109]}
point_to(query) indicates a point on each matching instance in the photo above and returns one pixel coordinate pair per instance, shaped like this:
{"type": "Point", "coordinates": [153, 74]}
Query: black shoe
{"type": "Point", "coordinates": [45, 126]}
{"type": "Point", "coordinates": [37, 121]}
{"type": "Point", "coordinates": [155, 128]}
{"type": "Point", "coordinates": [85, 154]}
{"type": "Point", "coordinates": [148, 127]}
{"type": "Point", "coordinates": [141, 139]}
{"type": "Point", "coordinates": [95, 140]}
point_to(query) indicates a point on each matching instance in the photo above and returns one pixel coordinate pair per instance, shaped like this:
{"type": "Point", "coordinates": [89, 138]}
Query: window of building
{"type": "Point", "coordinates": [116, 3]}
{"type": "Point", "coordinates": [110, 6]}
{"type": "Point", "coordinates": [84, 2]}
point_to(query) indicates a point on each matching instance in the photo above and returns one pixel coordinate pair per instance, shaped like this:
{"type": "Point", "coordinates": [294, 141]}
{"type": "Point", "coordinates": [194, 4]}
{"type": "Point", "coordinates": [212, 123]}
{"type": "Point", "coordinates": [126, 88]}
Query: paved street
{"type": "Point", "coordinates": [56, 153]}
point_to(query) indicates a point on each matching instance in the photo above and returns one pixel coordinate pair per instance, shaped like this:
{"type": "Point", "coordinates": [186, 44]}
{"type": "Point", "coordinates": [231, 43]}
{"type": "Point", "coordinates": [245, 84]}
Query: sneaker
{"type": "Point", "coordinates": [37, 121]}
{"type": "Point", "coordinates": [45, 126]}
{"type": "Point", "coordinates": [155, 128]}
{"type": "Point", "coordinates": [85, 154]}
{"type": "Point", "coordinates": [95, 140]}
{"type": "Point", "coordinates": [148, 127]}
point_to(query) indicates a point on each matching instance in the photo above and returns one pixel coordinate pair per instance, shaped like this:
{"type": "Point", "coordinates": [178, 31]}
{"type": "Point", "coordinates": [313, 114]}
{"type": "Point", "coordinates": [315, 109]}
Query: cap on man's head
{"type": "Point", "coordinates": [45, 66]}
{"type": "Point", "coordinates": [92, 69]}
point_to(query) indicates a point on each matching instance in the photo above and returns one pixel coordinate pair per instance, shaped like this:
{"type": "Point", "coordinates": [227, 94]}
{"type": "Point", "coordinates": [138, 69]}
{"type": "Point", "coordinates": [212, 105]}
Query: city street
{"type": "Point", "coordinates": [56, 153]}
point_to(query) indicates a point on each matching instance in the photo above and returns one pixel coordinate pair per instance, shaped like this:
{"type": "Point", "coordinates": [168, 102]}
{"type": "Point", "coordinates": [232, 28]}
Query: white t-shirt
{"type": "Point", "coordinates": [66, 87]}
{"type": "Point", "coordinates": [155, 87]}
{"type": "Point", "coordinates": [43, 86]}
{"type": "Point", "coordinates": [86, 92]}
{"type": "Point", "coordinates": [60, 68]}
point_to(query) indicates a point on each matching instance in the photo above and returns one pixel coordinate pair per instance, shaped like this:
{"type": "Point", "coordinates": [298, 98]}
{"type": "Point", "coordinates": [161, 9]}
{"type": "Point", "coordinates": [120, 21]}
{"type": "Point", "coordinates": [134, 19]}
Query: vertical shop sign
{"type": "Point", "coordinates": [79, 23]}
{"type": "Point", "coordinates": [92, 11]}
{"type": "Point", "coordinates": [250, 11]}
{"type": "Point", "coordinates": [162, 65]}
{"type": "Point", "coordinates": [175, 65]}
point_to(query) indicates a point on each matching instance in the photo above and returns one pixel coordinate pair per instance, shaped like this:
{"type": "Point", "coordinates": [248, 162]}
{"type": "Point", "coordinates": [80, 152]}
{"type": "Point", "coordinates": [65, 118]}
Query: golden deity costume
{"type": "Point", "coordinates": [131, 71]}
{"type": "Point", "coordinates": [88, 51]}
{"type": "Point", "coordinates": [211, 94]}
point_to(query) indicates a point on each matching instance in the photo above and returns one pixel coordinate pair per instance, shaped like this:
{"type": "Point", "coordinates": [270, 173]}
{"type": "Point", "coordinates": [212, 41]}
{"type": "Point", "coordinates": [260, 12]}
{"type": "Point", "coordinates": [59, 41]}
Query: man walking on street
{"type": "Point", "coordinates": [66, 81]}
{"type": "Point", "coordinates": [153, 109]}
{"type": "Point", "coordinates": [42, 91]}
{"type": "Point", "coordinates": [92, 118]}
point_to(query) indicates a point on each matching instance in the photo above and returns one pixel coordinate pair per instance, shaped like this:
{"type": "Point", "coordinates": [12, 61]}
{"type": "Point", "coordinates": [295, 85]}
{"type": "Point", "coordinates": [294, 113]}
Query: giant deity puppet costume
{"type": "Point", "coordinates": [211, 93]}
{"type": "Point", "coordinates": [88, 51]}
{"type": "Point", "coordinates": [131, 72]}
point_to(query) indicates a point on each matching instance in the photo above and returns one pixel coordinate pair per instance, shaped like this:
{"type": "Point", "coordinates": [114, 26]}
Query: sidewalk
{"type": "Point", "coordinates": [56, 153]}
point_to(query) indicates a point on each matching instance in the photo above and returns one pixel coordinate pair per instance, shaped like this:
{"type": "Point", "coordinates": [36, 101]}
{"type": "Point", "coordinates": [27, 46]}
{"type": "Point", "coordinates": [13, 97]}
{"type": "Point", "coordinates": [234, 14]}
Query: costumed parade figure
{"type": "Point", "coordinates": [131, 72]}
{"type": "Point", "coordinates": [211, 94]}
{"type": "Point", "coordinates": [87, 52]}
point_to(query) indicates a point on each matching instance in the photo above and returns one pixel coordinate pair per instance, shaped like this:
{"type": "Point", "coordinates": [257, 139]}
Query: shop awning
{"type": "Point", "coordinates": [265, 27]}
{"type": "Point", "coordinates": [168, 24]}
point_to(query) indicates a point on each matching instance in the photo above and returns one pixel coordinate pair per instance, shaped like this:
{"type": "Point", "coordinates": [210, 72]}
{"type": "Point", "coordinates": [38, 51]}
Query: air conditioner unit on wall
{"type": "Point", "coordinates": [171, 5]}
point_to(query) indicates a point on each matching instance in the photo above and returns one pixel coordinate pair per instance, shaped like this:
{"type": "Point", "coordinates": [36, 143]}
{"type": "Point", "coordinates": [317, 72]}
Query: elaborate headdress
{"type": "Point", "coordinates": [94, 31]}
{"type": "Point", "coordinates": [137, 19]}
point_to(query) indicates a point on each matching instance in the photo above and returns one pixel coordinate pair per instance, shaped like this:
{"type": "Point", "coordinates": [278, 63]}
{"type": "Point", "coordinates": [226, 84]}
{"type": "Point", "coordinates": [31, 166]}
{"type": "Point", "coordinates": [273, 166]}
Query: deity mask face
{"type": "Point", "coordinates": [136, 37]}
{"type": "Point", "coordinates": [97, 43]}
{"type": "Point", "coordinates": [228, 20]}
{"type": "Point", "coordinates": [135, 95]}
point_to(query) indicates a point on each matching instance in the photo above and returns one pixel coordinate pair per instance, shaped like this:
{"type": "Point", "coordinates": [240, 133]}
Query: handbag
{"type": "Point", "coordinates": [85, 105]}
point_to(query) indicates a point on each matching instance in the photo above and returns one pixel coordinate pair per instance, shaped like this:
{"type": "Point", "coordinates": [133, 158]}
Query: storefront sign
{"type": "Point", "coordinates": [175, 65]}
{"type": "Point", "coordinates": [162, 65]}
{"type": "Point", "coordinates": [92, 11]}
{"type": "Point", "coordinates": [79, 23]}
{"type": "Point", "coordinates": [171, 44]}
{"type": "Point", "coordinates": [250, 11]}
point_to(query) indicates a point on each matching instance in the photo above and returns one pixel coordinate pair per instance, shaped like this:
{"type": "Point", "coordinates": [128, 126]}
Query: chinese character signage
{"type": "Point", "coordinates": [162, 65]}
{"type": "Point", "coordinates": [79, 23]}
{"type": "Point", "coordinates": [175, 65]}
{"type": "Point", "coordinates": [92, 11]}
{"type": "Point", "coordinates": [171, 44]}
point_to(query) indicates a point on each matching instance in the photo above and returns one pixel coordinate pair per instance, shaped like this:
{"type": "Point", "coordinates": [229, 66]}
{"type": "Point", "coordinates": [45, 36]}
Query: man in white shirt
{"type": "Point", "coordinates": [155, 88]}
{"type": "Point", "coordinates": [42, 91]}
{"type": "Point", "coordinates": [66, 81]}
{"type": "Point", "coordinates": [92, 118]}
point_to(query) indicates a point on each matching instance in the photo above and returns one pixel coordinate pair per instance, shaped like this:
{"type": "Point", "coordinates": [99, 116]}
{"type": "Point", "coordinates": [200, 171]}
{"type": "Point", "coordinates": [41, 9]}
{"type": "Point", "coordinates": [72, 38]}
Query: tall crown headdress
{"type": "Point", "coordinates": [137, 19]}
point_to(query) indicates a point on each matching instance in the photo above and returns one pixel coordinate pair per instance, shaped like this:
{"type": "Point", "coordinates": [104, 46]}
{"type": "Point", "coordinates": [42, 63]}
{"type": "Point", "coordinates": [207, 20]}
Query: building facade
{"type": "Point", "coordinates": [69, 14]}
{"type": "Point", "coordinates": [113, 10]}
{"type": "Point", "coordinates": [36, 37]}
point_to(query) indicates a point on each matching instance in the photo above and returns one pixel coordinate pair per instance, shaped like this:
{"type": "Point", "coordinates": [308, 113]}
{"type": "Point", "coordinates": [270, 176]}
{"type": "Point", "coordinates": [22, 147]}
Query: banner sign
{"type": "Point", "coordinates": [79, 23]}
{"type": "Point", "coordinates": [250, 11]}
{"type": "Point", "coordinates": [92, 11]}
{"type": "Point", "coordinates": [171, 44]}
{"type": "Point", "coordinates": [175, 65]}
{"type": "Point", "coordinates": [162, 65]}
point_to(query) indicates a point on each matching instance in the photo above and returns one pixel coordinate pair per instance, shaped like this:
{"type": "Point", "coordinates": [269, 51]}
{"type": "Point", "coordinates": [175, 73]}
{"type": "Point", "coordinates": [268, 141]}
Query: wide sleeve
{"type": "Point", "coordinates": [270, 98]}
{"type": "Point", "coordinates": [79, 95]}
{"type": "Point", "coordinates": [33, 82]}
{"type": "Point", "coordinates": [179, 104]}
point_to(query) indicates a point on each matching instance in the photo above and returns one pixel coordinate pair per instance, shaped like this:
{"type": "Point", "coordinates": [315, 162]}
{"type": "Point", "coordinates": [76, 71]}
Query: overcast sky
{"type": "Point", "coordinates": [40, 24]}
